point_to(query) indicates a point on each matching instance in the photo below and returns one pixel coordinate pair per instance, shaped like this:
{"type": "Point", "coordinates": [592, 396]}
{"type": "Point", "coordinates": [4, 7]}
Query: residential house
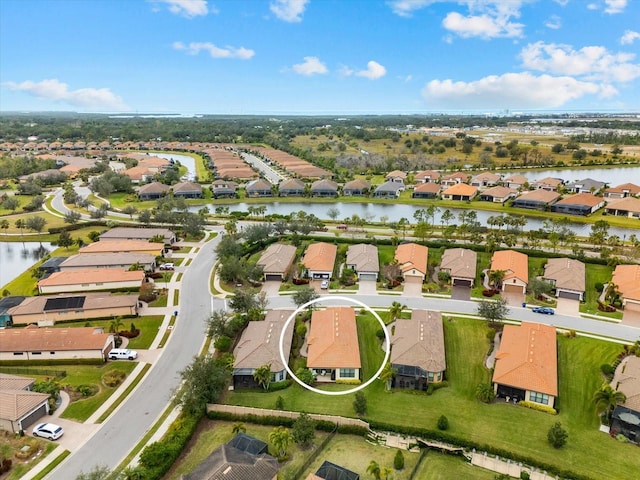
{"type": "Point", "coordinates": [412, 259]}
{"type": "Point", "coordinates": [527, 364]}
{"type": "Point", "coordinates": [461, 191]}
{"type": "Point", "coordinates": [485, 179]}
{"type": "Point", "coordinates": [19, 406]}
{"type": "Point", "coordinates": [460, 264]}
{"type": "Point", "coordinates": [6, 304]}
{"type": "Point", "coordinates": [144, 234]}
{"type": "Point", "coordinates": [587, 185]}
{"type": "Point", "coordinates": [567, 276]}
{"type": "Point", "coordinates": [627, 279]}
{"type": "Point", "coordinates": [389, 189]}
{"type": "Point", "coordinates": [331, 471]}
{"type": "Point", "coordinates": [363, 259]}
{"type": "Point", "coordinates": [276, 261]}
{"type": "Point", "coordinates": [224, 189]}
{"type": "Point", "coordinates": [87, 280]}
{"type": "Point", "coordinates": [54, 343]}
{"type": "Point", "coordinates": [333, 352]}
{"type": "Point", "coordinates": [515, 181]}
{"type": "Point", "coordinates": [139, 173]}
{"type": "Point", "coordinates": [121, 261]}
{"type": "Point", "coordinates": [622, 191]}
{"type": "Point", "coordinates": [319, 260]}
{"type": "Point", "coordinates": [498, 194]}
{"type": "Point", "coordinates": [242, 458]}
{"type": "Point", "coordinates": [153, 191]}
{"type": "Point", "coordinates": [417, 350]}
{"type": "Point", "coordinates": [515, 266]}
{"type": "Point", "coordinates": [536, 200]}
{"type": "Point", "coordinates": [259, 345]}
{"type": "Point", "coordinates": [626, 417]}
{"type": "Point", "coordinates": [292, 187]}
{"type": "Point", "coordinates": [356, 188]}
{"type": "Point", "coordinates": [625, 207]}
{"type": "Point", "coordinates": [397, 176]}
{"type": "Point", "coordinates": [426, 190]}
{"type": "Point", "coordinates": [259, 188]}
{"type": "Point", "coordinates": [324, 188]}
{"type": "Point", "coordinates": [123, 246]}
{"type": "Point", "coordinates": [454, 179]}
{"type": "Point", "coordinates": [427, 176]}
{"type": "Point", "coordinates": [187, 190]}
{"type": "Point", "coordinates": [550, 184]}
{"type": "Point", "coordinates": [48, 309]}
{"type": "Point", "coordinates": [51, 265]}
{"type": "Point", "coordinates": [579, 204]}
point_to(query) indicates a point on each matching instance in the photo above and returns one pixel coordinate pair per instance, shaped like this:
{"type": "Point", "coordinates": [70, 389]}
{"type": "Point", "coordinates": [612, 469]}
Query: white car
{"type": "Point", "coordinates": [48, 430]}
{"type": "Point", "coordinates": [167, 266]}
{"type": "Point", "coordinates": [324, 285]}
{"type": "Point", "coordinates": [123, 354]}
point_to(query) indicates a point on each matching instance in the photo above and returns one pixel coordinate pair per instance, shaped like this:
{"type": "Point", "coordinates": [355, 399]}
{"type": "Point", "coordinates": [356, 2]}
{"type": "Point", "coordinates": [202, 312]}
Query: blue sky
{"type": "Point", "coordinates": [319, 56]}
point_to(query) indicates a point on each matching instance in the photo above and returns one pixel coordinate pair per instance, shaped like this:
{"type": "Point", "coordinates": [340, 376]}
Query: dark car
{"type": "Point", "coordinates": [543, 310]}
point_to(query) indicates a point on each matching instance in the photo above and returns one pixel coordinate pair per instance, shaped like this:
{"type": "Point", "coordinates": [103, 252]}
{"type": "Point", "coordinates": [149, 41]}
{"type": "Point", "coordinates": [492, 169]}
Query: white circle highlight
{"type": "Point", "coordinates": [285, 361]}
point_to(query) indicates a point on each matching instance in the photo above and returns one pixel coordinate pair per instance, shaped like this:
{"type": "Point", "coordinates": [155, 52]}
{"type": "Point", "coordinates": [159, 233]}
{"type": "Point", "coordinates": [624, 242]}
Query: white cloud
{"type": "Point", "coordinates": [404, 8]}
{"type": "Point", "coordinates": [87, 98]}
{"type": "Point", "coordinates": [187, 8]}
{"type": "Point", "coordinates": [511, 90]}
{"type": "Point", "coordinates": [289, 10]}
{"type": "Point", "coordinates": [194, 48]}
{"type": "Point", "coordinates": [310, 66]}
{"type": "Point", "coordinates": [406, 78]}
{"type": "Point", "coordinates": [592, 6]}
{"type": "Point", "coordinates": [373, 72]}
{"type": "Point", "coordinates": [592, 62]}
{"type": "Point", "coordinates": [562, 3]}
{"type": "Point", "coordinates": [629, 37]}
{"type": "Point", "coordinates": [615, 6]}
{"type": "Point", "coordinates": [554, 22]}
{"type": "Point", "coordinates": [483, 26]}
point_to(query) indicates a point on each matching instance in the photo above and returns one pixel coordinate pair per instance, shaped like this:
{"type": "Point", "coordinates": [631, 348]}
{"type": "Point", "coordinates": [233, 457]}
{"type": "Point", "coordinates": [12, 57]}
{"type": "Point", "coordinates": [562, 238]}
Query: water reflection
{"type": "Point", "coordinates": [16, 257]}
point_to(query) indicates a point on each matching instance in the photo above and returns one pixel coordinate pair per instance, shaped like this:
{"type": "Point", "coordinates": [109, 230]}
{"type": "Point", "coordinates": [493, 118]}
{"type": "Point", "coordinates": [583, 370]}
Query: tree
{"type": "Point", "coordinates": [385, 472]}
{"type": "Point", "coordinates": [72, 217]}
{"type": "Point", "coordinates": [443, 423]}
{"type": "Point", "coordinates": [447, 217]}
{"type": "Point", "coordinates": [262, 375]}
{"type": "Point", "coordinates": [395, 310]}
{"type": "Point", "coordinates": [11, 203]}
{"type": "Point", "coordinates": [98, 472]}
{"type": "Point", "coordinates": [130, 210]}
{"type": "Point", "coordinates": [132, 473]}
{"type": "Point", "coordinates": [496, 277]}
{"type": "Point", "coordinates": [256, 233]}
{"type": "Point", "coordinates": [333, 213]}
{"type": "Point", "coordinates": [231, 227]}
{"type": "Point", "coordinates": [539, 287]}
{"type": "Point", "coordinates": [374, 469]}
{"type": "Point", "coordinates": [557, 436]}
{"type": "Point", "coordinates": [304, 430]}
{"type": "Point", "coordinates": [360, 404]}
{"type": "Point", "coordinates": [65, 240]}
{"type": "Point", "coordinates": [4, 224]}
{"type": "Point", "coordinates": [398, 460]}
{"type": "Point", "coordinates": [217, 323]}
{"type": "Point", "coordinates": [145, 217]}
{"type": "Point", "coordinates": [203, 382]}
{"type": "Point", "coordinates": [238, 428]}
{"type": "Point", "coordinates": [305, 375]}
{"type": "Point", "coordinates": [305, 295]}
{"type": "Point", "coordinates": [280, 438]}
{"type": "Point", "coordinates": [493, 311]}
{"type": "Point", "coordinates": [35, 223]}
{"type": "Point", "coordinates": [607, 399]}
{"type": "Point", "coordinates": [246, 299]}
{"type": "Point", "coordinates": [387, 375]}
{"type": "Point", "coordinates": [485, 393]}
{"type": "Point", "coordinates": [599, 232]}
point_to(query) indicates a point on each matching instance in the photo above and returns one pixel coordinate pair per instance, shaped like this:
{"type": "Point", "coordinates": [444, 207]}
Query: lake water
{"type": "Point", "coordinates": [612, 176]}
{"type": "Point", "coordinates": [185, 160]}
{"type": "Point", "coordinates": [16, 257]}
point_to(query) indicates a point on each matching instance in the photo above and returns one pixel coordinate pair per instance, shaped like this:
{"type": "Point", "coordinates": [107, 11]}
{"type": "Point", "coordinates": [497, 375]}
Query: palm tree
{"type": "Point", "coordinates": [374, 469]}
{"type": "Point", "coordinates": [262, 375]}
{"type": "Point", "coordinates": [385, 472]}
{"type": "Point", "coordinates": [20, 225]}
{"type": "Point", "coordinates": [496, 277]}
{"type": "Point", "coordinates": [115, 326]}
{"type": "Point", "coordinates": [387, 375]}
{"type": "Point", "coordinates": [607, 399]}
{"type": "Point", "coordinates": [238, 427]}
{"type": "Point", "coordinates": [395, 310]}
{"type": "Point", "coordinates": [280, 438]}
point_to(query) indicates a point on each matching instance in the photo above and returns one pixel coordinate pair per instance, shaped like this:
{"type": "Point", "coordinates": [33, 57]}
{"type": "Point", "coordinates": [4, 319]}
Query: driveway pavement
{"type": "Point", "coordinates": [513, 299]}
{"type": "Point", "coordinates": [367, 287]}
{"type": "Point", "coordinates": [75, 434]}
{"type": "Point", "coordinates": [271, 288]}
{"type": "Point", "coordinates": [631, 318]}
{"type": "Point", "coordinates": [460, 293]}
{"type": "Point", "coordinates": [412, 287]}
{"type": "Point", "coordinates": [568, 306]}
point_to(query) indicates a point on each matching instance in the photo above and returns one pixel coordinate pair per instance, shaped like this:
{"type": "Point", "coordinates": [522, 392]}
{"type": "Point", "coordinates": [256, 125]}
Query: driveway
{"type": "Point", "coordinates": [412, 287]}
{"type": "Point", "coordinates": [513, 299]}
{"type": "Point", "coordinates": [367, 287]}
{"type": "Point", "coordinates": [75, 434]}
{"type": "Point", "coordinates": [631, 318]}
{"type": "Point", "coordinates": [568, 306]}
{"type": "Point", "coordinates": [271, 288]}
{"type": "Point", "coordinates": [460, 293]}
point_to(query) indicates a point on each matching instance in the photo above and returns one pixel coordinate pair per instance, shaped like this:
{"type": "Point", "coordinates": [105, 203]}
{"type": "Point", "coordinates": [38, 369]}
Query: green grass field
{"type": "Point", "coordinates": [596, 274]}
{"type": "Point", "coordinates": [371, 353]}
{"type": "Point", "coordinates": [439, 466]}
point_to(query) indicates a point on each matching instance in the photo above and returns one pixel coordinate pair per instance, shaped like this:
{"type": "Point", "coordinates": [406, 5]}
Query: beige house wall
{"type": "Point", "coordinates": [88, 287]}
{"type": "Point", "coordinates": [106, 312]}
{"type": "Point", "coordinates": [59, 355]}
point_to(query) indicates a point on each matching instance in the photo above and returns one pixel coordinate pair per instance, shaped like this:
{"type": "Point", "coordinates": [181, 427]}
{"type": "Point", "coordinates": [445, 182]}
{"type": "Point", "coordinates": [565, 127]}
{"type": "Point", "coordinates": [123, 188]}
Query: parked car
{"type": "Point", "coordinates": [167, 266]}
{"type": "Point", "coordinates": [48, 430]}
{"type": "Point", "coordinates": [123, 353]}
{"type": "Point", "coordinates": [543, 310]}
{"type": "Point", "coordinates": [324, 285]}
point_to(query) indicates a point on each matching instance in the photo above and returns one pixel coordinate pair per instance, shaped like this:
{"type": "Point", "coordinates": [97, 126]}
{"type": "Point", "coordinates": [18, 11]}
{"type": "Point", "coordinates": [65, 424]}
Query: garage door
{"type": "Point", "coordinates": [569, 295]}
{"type": "Point", "coordinates": [273, 277]}
{"type": "Point", "coordinates": [513, 288]}
{"type": "Point", "coordinates": [461, 282]}
{"type": "Point", "coordinates": [34, 417]}
{"type": "Point", "coordinates": [369, 277]}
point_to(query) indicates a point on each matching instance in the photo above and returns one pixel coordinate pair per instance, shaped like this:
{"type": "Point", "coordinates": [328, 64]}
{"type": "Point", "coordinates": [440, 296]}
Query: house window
{"type": "Point", "coordinates": [36, 353]}
{"type": "Point", "coordinates": [538, 397]}
{"type": "Point", "coordinates": [347, 373]}
{"type": "Point", "coordinates": [52, 353]}
{"type": "Point", "coordinates": [430, 376]}
{"type": "Point", "coordinates": [18, 353]}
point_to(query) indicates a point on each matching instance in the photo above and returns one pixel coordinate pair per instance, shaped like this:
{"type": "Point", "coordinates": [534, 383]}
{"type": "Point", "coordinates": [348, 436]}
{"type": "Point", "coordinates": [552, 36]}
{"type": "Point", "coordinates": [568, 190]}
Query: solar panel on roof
{"type": "Point", "coordinates": [64, 303]}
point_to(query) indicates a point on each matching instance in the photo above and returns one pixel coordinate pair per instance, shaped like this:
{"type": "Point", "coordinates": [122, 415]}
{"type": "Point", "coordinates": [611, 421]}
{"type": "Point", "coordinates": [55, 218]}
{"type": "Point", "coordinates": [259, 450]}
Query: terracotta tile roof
{"type": "Point", "coordinates": [397, 174]}
{"type": "Point", "coordinates": [587, 199]}
{"type": "Point", "coordinates": [567, 273]}
{"type": "Point", "coordinates": [461, 189]}
{"type": "Point", "coordinates": [320, 256]}
{"type": "Point", "coordinates": [102, 275]}
{"type": "Point", "coordinates": [428, 187]}
{"type": "Point", "coordinates": [514, 264]}
{"type": "Point", "coordinates": [357, 184]}
{"type": "Point", "coordinates": [627, 278]}
{"type": "Point", "coordinates": [419, 341]}
{"type": "Point", "coordinates": [291, 184]}
{"type": "Point", "coordinates": [521, 179]}
{"type": "Point", "coordinates": [260, 342]}
{"type": "Point", "coordinates": [15, 404]}
{"type": "Point", "coordinates": [52, 339]}
{"type": "Point", "coordinates": [259, 184]}
{"type": "Point", "coordinates": [527, 358]}
{"type": "Point", "coordinates": [629, 204]}
{"type": "Point", "coordinates": [628, 382]}
{"type": "Point", "coordinates": [542, 196]}
{"type": "Point", "coordinates": [333, 339]}
{"type": "Point", "coordinates": [488, 176]}
{"type": "Point", "coordinates": [412, 255]}
{"type": "Point", "coordinates": [632, 188]}
{"type": "Point", "coordinates": [15, 382]}
{"type": "Point", "coordinates": [499, 191]}
{"type": "Point", "coordinates": [324, 184]}
{"type": "Point", "coordinates": [460, 262]}
{"type": "Point", "coordinates": [430, 174]}
{"type": "Point", "coordinates": [277, 258]}
{"type": "Point", "coordinates": [461, 175]}
{"type": "Point", "coordinates": [549, 181]}
{"type": "Point", "coordinates": [154, 187]}
{"type": "Point", "coordinates": [187, 187]}
{"type": "Point", "coordinates": [364, 256]}
{"type": "Point", "coordinates": [106, 246]}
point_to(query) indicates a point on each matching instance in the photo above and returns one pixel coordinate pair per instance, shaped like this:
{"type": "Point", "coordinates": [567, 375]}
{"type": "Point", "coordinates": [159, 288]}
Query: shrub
{"type": "Point", "coordinates": [488, 293]}
{"type": "Point", "coordinates": [349, 381]}
{"type": "Point", "coordinates": [87, 390]}
{"type": "Point", "coordinates": [222, 343]}
{"type": "Point", "coordinates": [557, 436]}
{"type": "Point", "coordinates": [607, 369]}
{"type": "Point", "coordinates": [113, 378]}
{"type": "Point", "coordinates": [524, 475]}
{"type": "Point", "coordinates": [432, 387]}
{"type": "Point", "coordinates": [275, 386]}
{"type": "Point", "coordinates": [279, 403]}
{"type": "Point", "coordinates": [443, 423]}
{"type": "Point", "coordinates": [6, 465]}
{"type": "Point", "coordinates": [360, 404]}
{"type": "Point", "coordinates": [599, 287]}
{"type": "Point", "coordinates": [398, 461]}
{"type": "Point", "coordinates": [537, 406]}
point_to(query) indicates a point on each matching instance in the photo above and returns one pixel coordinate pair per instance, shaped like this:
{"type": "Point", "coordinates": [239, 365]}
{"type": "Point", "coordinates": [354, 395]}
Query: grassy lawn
{"type": "Point", "coordinates": [439, 466]}
{"type": "Point", "coordinates": [596, 274]}
{"type": "Point", "coordinates": [160, 301]}
{"type": "Point", "coordinates": [148, 326]}
{"type": "Point", "coordinates": [371, 353]}
{"type": "Point", "coordinates": [508, 427]}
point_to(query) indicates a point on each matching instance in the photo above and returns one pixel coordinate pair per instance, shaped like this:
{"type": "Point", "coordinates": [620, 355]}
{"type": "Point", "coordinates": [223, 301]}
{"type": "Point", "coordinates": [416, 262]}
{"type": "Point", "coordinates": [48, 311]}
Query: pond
{"type": "Point", "coordinates": [612, 176]}
{"type": "Point", "coordinates": [185, 160]}
{"type": "Point", "coordinates": [16, 257]}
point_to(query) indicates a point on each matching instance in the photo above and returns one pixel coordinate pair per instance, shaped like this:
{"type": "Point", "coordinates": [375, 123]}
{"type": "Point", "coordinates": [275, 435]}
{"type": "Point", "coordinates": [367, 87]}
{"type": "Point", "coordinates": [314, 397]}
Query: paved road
{"type": "Point", "coordinates": [111, 444]}
{"type": "Point", "coordinates": [269, 173]}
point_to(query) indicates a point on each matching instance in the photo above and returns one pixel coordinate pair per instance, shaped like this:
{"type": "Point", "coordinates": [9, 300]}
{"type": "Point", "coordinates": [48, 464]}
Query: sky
{"type": "Point", "coordinates": [317, 57]}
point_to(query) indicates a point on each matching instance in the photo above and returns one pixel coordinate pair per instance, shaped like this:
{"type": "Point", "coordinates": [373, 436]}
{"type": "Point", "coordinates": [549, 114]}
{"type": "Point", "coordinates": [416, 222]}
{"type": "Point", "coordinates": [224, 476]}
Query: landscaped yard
{"type": "Point", "coordinates": [439, 466]}
{"type": "Point", "coordinates": [504, 426]}
{"type": "Point", "coordinates": [371, 353]}
{"type": "Point", "coordinates": [596, 274]}
{"type": "Point", "coordinates": [148, 326]}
